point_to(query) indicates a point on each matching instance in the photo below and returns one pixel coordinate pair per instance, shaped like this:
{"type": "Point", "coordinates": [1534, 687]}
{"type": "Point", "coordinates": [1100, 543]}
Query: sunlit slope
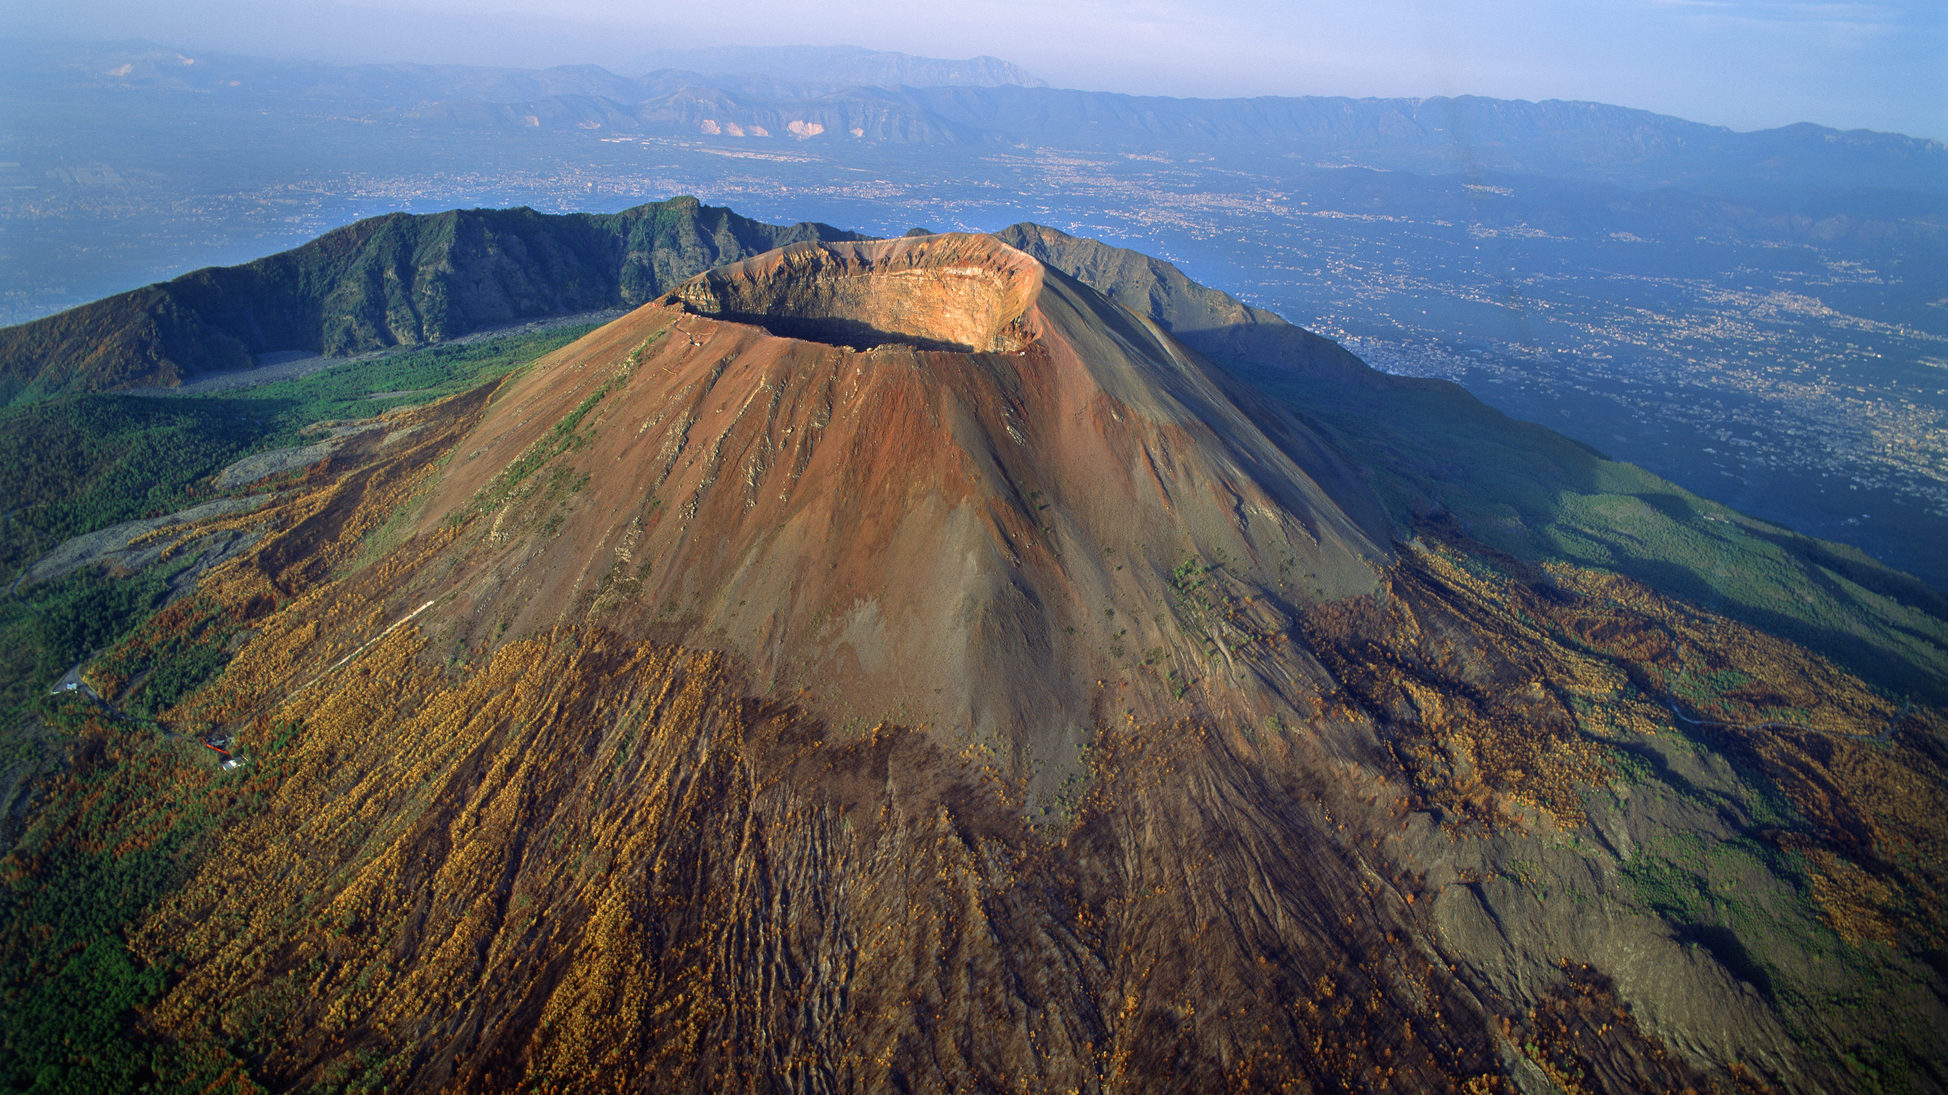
{"type": "Point", "coordinates": [964, 524]}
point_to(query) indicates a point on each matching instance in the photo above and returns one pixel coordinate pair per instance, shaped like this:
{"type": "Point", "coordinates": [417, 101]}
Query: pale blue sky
{"type": "Point", "coordinates": [1744, 63]}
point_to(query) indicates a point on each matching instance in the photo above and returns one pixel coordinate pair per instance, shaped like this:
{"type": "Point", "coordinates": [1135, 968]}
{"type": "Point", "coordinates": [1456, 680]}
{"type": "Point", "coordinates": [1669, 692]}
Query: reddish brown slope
{"type": "Point", "coordinates": [958, 538]}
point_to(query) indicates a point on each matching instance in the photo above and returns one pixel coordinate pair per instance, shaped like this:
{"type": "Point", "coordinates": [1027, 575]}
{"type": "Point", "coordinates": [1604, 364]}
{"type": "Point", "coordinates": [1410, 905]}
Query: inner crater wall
{"type": "Point", "coordinates": [952, 292]}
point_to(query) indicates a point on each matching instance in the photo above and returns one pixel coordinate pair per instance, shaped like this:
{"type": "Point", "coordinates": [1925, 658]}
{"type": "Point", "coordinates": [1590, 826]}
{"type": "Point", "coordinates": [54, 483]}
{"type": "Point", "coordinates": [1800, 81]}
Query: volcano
{"type": "Point", "coordinates": [899, 665]}
{"type": "Point", "coordinates": [930, 481]}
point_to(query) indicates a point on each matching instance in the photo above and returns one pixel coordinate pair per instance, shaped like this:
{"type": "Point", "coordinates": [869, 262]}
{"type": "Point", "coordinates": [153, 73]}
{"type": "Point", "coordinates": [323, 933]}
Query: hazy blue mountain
{"type": "Point", "coordinates": [840, 66]}
{"type": "Point", "coordinates": [896, 97]}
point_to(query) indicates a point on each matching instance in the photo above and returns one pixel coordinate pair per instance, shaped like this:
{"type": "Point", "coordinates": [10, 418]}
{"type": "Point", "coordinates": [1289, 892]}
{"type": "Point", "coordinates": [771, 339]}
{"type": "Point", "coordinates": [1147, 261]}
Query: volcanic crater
{"type": "Point", "coordinates": [950, 292]}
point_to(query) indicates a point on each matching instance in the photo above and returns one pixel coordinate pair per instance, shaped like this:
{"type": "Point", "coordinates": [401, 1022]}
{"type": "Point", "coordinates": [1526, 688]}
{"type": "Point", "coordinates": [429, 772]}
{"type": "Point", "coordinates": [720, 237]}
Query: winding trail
{"type": "Point", "coordinates": [363, 647]}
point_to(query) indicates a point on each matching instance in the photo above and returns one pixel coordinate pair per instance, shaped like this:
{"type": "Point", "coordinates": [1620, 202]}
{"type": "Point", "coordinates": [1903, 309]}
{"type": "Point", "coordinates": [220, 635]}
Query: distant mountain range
{"type": "Point", "coordinates": [837, 94]}
{"type": "Point", "coordinates": [840, 66]}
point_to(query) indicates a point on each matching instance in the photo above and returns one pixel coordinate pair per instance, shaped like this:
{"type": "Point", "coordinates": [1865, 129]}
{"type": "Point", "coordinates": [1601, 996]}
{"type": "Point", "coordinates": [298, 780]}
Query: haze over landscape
{"type": "Point", "coordinates": [1017, 548]}
{"type": "Point", "coordinates": [1749, 64]}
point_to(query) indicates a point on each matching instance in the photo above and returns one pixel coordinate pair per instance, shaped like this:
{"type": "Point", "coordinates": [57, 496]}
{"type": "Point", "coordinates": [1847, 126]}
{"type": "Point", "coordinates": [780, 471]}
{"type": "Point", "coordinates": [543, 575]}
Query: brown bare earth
{"type": "Point", "coordinates": [896, 667]}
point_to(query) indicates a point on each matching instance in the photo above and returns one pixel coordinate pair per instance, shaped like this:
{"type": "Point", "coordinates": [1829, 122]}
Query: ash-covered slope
{"type": "Point", "coordinates": [932, 480]}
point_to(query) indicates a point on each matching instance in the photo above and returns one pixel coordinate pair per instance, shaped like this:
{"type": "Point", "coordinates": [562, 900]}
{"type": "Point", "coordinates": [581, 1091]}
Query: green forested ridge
{"type": "Point", "coordinates": [396, 280]}
{"type": "Point", "coordinates": [1538, 496]}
